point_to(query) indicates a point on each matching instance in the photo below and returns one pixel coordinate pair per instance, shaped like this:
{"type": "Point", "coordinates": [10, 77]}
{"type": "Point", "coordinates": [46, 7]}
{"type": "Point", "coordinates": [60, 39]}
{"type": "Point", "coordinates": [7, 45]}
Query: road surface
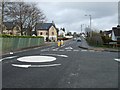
{"type": "Point", "coordinates": [73, 67]}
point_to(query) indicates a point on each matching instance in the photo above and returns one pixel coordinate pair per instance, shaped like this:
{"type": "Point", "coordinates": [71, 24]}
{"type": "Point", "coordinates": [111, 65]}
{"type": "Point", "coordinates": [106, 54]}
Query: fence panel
{"type": "Point", "coordinates": [11, 44]}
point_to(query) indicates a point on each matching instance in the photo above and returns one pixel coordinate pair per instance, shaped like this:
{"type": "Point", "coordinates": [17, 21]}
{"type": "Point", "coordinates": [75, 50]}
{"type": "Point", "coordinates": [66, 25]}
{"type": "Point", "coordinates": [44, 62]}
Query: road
{"type": "Point", "coordinates": [73, 68]}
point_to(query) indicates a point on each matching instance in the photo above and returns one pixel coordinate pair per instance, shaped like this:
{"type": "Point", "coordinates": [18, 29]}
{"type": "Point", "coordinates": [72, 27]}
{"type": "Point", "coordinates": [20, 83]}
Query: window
{"type": "Point", "coordinates": [40, 33]}
{"type": "Point", "coordinates": [52, 33]}
{"type": "Point", "coordinates": [46, 33]}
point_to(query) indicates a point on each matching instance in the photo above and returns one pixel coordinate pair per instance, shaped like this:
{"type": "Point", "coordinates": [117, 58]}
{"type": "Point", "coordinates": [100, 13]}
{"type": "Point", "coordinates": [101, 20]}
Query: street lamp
{"type": "Point", "coordinates": [82, 27]}
{"type": "Point", "coordinates": [2, 16]}
{"type": "Point", "coordinates": [90, 21]}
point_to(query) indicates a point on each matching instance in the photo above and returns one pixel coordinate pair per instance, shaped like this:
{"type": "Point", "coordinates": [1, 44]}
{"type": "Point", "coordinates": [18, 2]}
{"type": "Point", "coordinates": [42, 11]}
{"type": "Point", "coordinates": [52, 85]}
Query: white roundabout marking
{"type": "Point", "coordinates": [37, 59]}
{"type": "Point", "coordinates": [27, 66]}
{"type": "Point", "coordinates": [7, 58]}
{"type": "Point", "coordinates": [117, 60]}
{"type": "Point", "coordinates": [57, 55]}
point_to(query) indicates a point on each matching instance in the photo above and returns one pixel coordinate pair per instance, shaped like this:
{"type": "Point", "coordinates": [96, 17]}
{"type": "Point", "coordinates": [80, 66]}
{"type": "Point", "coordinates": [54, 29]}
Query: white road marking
{"type": "Point", "coordinates": [55, 50]}
{"type": "Point", "coordinates": [37, 59]}
{"type": "Point", "coordinates": [75, 50]}
{"type": "Point", "coordinates": [117, 60]}
{"type": "Point", "coordinates": [63, 46]}
{"type": "Point", "coordinates": [91, 50]}
{"type": "Point", "coordinates": [7, 58]}
{"type": "Point", "coordinates": [23, 66]}
{"type": "Point", "coordinates": [83, 50]}
{"type": "Point", "coordinates": [57, 55]}
{"type": "Point", "coordinates": [51, 65]}
{"type": "Point", "coordinates": [62, 50]}
{"type": "Point", "coordinates": [68, 48]}
{"type": "Point", "coordinates": [27, 66]}
{"type": "Point", "coordinates": [47, 49]}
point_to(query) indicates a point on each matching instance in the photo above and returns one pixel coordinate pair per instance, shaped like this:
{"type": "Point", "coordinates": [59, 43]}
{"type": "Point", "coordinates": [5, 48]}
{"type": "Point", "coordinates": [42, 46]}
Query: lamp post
{"type": "Point", "coordinates": [90, 22]}
{"type": "Point", "coordinates": [82, 27]}
{"type": "Point", "coordinates": [2, 17]}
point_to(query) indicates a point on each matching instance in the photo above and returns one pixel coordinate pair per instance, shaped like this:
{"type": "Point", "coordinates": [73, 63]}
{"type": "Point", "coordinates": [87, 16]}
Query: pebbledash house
{"type": "Point", "coordinates": [47, 30]}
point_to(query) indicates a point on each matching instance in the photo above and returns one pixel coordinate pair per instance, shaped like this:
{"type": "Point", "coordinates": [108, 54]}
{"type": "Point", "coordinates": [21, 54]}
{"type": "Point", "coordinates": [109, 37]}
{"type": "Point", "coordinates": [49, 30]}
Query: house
{"type": "Point", "coordinates": [61, 33]}
{"type": "Point", "coordinates": [107, 33]}
{"type": "Point", "coordinates": [11, 28]}
{"type": "Point", "coordinates": [47, 30]}
{"type": "Point", "coordinates": [116, 33]}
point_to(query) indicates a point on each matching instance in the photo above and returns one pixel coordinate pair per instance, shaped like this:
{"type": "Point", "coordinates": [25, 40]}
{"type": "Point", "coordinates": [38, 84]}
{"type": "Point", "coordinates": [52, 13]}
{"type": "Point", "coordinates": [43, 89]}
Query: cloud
{"type": "Point", "coordinates": [71, 14]}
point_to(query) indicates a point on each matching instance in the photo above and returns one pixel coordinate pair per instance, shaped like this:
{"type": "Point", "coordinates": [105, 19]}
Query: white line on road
{"type": "Point", "coordinates": [117, 60]}
{"type": "Point", "coordinates": [51, 65]}
{"type": "Point", "coordinates": [27, 66]}
{"type": "Point", "coordinates": [91, 50]}
{"type": "Point", "coordinates": [63, 46]}
{"type": "Point", "coordinates": [23, 66]}
{"type": "Point", "coordinates": [56, 55]}
{"type": "Point", "coordinates": [68, 50]}
{"type": "Point", "coordinates": [61, 50]}
{"type": "Point", "coordinates": [45, 49]}
{"type": "Point", "coordinates": [83, 50]}
{"type": "Point", "coordinates": [7, 58]}
{"type": "Point", "coordinates": [75, 50]}
{"type": "Point", "coordinates": [54, 50]}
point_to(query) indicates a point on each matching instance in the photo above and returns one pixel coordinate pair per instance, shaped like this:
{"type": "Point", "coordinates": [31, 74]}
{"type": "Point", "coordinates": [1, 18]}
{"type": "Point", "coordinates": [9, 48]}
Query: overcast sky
{"type": "Point", "coordinates": [72, 14]}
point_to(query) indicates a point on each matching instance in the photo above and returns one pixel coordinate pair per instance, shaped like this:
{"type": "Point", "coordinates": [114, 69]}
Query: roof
{"type": "Point", "coordinates": [44, 26]}
{"type": "Point", "coordinates": [107, 32]}
{"type": "Point", "coordinates": [9, 25]}
{"type": "Point", "coordinates": [116, 31]}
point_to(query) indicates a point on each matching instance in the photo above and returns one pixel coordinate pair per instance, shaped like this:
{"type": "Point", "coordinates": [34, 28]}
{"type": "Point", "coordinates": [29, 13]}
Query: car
{"type": "Point", "coordinates": [79, 40]}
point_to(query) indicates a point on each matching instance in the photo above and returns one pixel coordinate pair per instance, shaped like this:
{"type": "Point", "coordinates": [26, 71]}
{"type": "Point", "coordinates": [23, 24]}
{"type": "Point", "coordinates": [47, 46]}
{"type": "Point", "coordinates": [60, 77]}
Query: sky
{"type": "Point", "coordinates": [71, 15]}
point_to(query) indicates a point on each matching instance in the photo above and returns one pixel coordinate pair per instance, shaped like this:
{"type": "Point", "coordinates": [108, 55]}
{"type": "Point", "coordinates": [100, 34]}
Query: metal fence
{"type": "Point", "coordinates": [11, 44]}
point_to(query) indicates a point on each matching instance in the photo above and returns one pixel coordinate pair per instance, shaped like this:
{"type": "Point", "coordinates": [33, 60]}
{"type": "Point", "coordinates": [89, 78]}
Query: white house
{"type": "Point", "coordinates": [115, 33]}
{"type": "Point", "coordinates": [61, 33]}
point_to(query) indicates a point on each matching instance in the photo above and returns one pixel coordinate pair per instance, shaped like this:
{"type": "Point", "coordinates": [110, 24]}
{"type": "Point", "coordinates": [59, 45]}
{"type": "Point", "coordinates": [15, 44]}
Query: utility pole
{"type": "Point", "coordinates": [2, 17]}
{"type": "Point", "coordinates": [90, 16]}
{"type": "Point", "coordinates": [81, 28]}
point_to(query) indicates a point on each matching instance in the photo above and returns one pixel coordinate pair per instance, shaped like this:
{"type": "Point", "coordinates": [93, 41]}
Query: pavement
{"type": "Point", "coordinates": [46, 44]}
{"type": "Point", "coordinates": [85, 45]}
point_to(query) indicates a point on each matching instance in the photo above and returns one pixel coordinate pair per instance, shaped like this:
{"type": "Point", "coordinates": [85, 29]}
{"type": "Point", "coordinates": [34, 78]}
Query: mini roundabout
{"type": "Point", "coordinates": [38, 61]}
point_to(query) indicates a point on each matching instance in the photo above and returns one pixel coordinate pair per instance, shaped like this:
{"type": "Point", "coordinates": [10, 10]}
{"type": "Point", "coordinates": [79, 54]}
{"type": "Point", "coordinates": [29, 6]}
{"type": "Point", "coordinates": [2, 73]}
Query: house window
{"type": "Point", "coordinates": [40, 33]}
{"type": "Point", "coordinates": [46, 33]}
{"type": "Point", "coordinates": [52, 33]}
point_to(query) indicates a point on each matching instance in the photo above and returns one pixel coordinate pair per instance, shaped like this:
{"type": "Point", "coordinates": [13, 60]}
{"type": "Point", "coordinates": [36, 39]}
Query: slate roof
{"type": "Point", "coordinates": [44, 26]}
{"type": "Point", "coordinates": [107, 32]}
{"type": "Point", "coordinates": [9, 25]}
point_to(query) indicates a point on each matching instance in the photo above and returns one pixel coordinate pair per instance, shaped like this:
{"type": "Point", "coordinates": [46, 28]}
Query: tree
{"type": "Point", "coordinates": [24, 14]}
{"type": "Point", "coordinates": [69, 33]}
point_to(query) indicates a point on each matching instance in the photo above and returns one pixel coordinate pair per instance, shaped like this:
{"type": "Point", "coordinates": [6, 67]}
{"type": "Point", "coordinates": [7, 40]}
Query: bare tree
{"type": "Point", "coordinates": [35, 15]}
{"type": "Point", "coordinates": [26, 15]}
